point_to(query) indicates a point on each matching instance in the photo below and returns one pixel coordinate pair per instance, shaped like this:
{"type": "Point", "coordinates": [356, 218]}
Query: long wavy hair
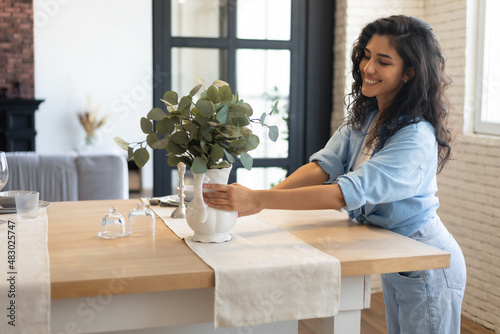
{"type": "Point", "coordinates": [423, 97]}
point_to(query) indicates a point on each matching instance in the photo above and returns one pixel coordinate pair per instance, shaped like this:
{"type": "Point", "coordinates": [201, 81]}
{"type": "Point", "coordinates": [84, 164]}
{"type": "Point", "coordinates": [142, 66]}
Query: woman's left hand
{"type": "Point", "coordinates": [233, 197]}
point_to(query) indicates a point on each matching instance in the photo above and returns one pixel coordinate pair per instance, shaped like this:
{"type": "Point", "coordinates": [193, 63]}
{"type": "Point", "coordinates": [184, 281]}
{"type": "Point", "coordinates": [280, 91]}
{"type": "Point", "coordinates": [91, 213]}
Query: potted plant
{"type": "Point", "coordinates": [207, 135]}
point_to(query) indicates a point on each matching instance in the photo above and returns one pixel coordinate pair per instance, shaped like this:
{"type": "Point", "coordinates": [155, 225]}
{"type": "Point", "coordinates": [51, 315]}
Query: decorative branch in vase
{"type": "Point", "coordinates": [88, 119]}
{"type": "Point", "coordinates": [207, 135]}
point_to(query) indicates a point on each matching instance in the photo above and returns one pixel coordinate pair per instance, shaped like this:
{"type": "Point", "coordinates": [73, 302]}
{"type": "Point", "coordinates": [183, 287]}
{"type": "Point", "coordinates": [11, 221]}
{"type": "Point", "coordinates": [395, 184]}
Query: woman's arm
{"type": "Point", "coordinates": [307, 175]}
{"type": "Point", "coordinates": [303, 189]}
{"type": "Point", "coordinates": [236, 197]}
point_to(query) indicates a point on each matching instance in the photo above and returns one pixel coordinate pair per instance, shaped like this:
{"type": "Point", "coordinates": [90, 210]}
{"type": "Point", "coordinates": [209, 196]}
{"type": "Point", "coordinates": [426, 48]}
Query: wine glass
{"type": "Point", "coordinates": [4, 170]}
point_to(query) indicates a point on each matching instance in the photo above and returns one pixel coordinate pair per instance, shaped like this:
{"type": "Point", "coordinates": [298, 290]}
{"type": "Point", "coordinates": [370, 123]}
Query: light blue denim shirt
{"type": "Point", "coordinates": [395, 189]}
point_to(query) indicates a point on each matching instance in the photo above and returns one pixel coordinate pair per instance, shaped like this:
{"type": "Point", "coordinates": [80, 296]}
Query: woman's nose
{"type": "Point", "coordinates": [368, 67]}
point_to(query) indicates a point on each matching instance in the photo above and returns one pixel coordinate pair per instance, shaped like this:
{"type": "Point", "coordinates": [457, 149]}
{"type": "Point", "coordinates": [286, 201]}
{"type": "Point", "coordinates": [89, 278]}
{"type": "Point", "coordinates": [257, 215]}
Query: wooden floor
{"type": "Point", "coordinates": [373, 321]}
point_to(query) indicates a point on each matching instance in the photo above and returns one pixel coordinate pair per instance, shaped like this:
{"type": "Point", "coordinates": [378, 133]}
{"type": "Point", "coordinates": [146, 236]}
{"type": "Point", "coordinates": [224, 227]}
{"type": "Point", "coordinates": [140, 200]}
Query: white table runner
{"type": "Point", "coordinates": [264, 274]}
{"type": "Point", "coordinates": [25, 276]}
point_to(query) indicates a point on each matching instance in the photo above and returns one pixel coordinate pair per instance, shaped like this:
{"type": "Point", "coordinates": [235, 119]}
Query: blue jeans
{"type": "Point", "coordinates": [427, 301]}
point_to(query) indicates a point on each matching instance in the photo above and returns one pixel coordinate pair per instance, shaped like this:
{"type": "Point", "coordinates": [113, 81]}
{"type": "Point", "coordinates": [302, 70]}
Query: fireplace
{"type": "Point", "coordinates": [17, 124]}
{"type": "Point", "coordinates": [17, 103]}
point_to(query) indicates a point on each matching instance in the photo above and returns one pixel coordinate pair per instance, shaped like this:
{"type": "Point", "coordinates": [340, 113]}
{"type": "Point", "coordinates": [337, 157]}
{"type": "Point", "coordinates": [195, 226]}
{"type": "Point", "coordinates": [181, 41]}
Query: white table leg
{"type": "Point", "coordinates": [344, 322]}
{"type": "Point", "coordinates": [355, 294]}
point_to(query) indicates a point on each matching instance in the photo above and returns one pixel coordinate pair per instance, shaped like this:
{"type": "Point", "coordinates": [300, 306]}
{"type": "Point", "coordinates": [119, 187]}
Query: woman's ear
{"type": "Point", "coordinates": [409, 74]}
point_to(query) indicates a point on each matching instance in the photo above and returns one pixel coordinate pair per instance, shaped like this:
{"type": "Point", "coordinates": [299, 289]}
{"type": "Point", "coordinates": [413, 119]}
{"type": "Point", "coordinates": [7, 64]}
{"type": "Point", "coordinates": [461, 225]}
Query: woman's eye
{"type": "Point", "coordinates": [384, 64]}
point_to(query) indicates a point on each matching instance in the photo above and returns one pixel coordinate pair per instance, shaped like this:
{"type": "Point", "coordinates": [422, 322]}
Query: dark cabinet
{"type": "Point", "coordinates": [17, 124]}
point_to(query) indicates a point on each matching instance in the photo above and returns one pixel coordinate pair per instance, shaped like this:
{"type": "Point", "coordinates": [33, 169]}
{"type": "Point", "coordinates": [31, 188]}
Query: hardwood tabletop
{"type": "Point", "coordinates": [82, 264]}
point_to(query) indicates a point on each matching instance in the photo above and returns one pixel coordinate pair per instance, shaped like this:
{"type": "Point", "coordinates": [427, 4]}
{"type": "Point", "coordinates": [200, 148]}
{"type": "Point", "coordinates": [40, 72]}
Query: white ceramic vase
{"type": "Point", "coordinates": [208, 224]}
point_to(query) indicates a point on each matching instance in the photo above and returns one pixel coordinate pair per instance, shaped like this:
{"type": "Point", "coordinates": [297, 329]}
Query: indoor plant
{"type": "Point", "coordinates": [207, 135]}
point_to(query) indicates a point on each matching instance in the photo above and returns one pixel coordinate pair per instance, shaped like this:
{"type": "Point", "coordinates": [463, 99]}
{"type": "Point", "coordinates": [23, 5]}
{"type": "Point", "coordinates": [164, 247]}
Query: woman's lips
{"type": "Point", "coordinates": [371, 81]}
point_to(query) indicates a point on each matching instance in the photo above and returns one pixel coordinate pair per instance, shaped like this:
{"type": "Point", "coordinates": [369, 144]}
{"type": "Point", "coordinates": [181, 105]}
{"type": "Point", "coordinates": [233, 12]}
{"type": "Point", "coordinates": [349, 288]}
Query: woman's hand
{"type": "Point", "coordinates": [303, 190]}
{"type": "Point", "coordinates": [233, 197]}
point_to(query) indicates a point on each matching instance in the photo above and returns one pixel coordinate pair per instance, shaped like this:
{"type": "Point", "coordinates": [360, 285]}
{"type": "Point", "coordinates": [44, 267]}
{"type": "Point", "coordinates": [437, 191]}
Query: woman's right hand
{"type": "Point", "coordinates": [233, 197]}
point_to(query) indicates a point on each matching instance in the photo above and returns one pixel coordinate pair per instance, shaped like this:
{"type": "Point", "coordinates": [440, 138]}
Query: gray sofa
{"type": "Point", "coordinates": [88, 174]}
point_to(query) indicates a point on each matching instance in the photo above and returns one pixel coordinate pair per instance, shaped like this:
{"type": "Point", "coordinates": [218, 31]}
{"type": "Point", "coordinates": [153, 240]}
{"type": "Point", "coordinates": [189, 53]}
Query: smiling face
{"type": "Point", "coordinates": [382, 71]}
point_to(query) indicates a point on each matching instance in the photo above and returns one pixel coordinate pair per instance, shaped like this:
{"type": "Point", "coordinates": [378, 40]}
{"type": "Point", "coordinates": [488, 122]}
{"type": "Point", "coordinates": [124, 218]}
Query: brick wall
{"type": "Point", "coordinates": [16, 47]}
{"type": "Point", "coordinates": [469, 187]}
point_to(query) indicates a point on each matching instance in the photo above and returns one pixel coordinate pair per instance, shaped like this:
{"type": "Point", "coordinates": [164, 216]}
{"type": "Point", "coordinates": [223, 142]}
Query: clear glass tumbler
{"type": "Point", "coordinates": [27, 203]}
{"type": "Point", "coordinates": [141, 221]}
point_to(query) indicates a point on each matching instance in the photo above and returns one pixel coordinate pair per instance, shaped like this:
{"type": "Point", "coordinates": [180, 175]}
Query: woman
{"type": "Point", "coordinates": [381, 166]}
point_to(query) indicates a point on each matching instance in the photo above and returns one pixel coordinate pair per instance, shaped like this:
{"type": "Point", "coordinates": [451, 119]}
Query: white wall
{"type": "Point", "coordinates": [96, 48]}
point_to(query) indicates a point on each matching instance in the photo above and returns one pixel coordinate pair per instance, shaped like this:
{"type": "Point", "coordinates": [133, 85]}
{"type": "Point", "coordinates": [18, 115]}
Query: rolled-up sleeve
{"type": "Point", "coordinates": [395, 172]}
{"type": "Point", "coordinates": [333, 157]}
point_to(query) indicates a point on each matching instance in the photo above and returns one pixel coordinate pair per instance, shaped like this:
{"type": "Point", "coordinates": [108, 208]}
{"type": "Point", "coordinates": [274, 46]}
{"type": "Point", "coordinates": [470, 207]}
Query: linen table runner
{"type": "Point", "coordinates": [25, 277]}
{"type": "Point", "coordinates": [264, 274]}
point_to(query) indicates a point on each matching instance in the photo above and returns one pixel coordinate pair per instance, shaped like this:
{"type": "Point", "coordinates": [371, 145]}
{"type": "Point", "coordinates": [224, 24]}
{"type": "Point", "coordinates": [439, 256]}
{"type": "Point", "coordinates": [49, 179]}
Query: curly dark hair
{"type": "Point", "coordinates": [423, 97]}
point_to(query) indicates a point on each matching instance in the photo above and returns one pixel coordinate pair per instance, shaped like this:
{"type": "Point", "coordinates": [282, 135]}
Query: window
{"type": "Point", "coordinates": [488, 83]}
{"type": "Point", "coordinates": [265, 49]}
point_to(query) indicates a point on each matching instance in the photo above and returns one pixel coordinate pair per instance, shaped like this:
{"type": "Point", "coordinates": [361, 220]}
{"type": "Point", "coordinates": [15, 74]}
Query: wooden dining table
{"type": "Point", "coordinates": [156, 284]}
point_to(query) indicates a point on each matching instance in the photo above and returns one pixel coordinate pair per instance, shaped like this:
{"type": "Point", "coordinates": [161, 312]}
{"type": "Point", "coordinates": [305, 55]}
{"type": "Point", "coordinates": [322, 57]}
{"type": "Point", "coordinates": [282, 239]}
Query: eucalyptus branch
{"type": "Point", "coordinates": [212, 137]}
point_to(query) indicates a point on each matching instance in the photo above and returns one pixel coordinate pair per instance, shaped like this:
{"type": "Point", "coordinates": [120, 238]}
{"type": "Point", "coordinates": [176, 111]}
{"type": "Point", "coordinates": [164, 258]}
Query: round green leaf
{"type": "Point", "coordinates": [185, 103]}
{"type": "Point", "coordinates": [175, 148]}
{"type": "Point", "coordinates": [237, 111]}
{"type": "Point", "coordinates": [160, 144]}
{"type": "Point", "coordinates": [229, 157]}
{"type": "Point", "coordinates": [174, 160]}
{"type": "Point", "coordinates": [220, 83]}
{"type": "Point", "coordinates": [201, 121]}
{"type": "Point", "coordinates": [195, 90]}
{"type": "Point", "coordinates": [180, 137]}
{"type": "Point", "coordinates": [156, 114]}
{"type": "Point", "coordinates": [248, 109]}
{"type": "Point", "coordinates": [146, 125]}
{"type": "Point", "coordinates": [141, 156]}
{"type": "Point", "coordinates": [203, 146]}
{"type": "Point", "coordinates": [205, 107]}
{"type": "Point", "coordinates": [222, 114]}
{"type": "Point", "coordinates": [200, 80]}
{"type": "Point", "coordinates": [225, 93]}
{"type": "Point", "coordinates": [151, 139]}
{"type": "Point", "coordinates": [171, 97]}
{"type": "Point", "coordinates": [216, 153]}
{"type": "Point", "coordinates": [122, 143]}
{"type": "Point", "coordinates": [199, 166]}
{"type": "Point", "coordinates": [213, 94]}
{"type": "Point", "coordinates": [273, 132]}
{"type": "Point", "coordinates": [238, 144]}
{"type": "Point", "coordinates": [240, 121]}
{"type": "Point", "coordinates": [252, 142]}
{"type": "Point", "coordinates": [206, 134]}
{"type": "Point", "coordinates": [263, 118]}
{"type": "Point", "coordinates": [192, 129]}
{"type": "Point", "coordinates": [246, 160]}
{"type": "Point", "coordinates": [275, 109]}
{"type": "Point", "coordinates": [165, 126]}
{"type": "Point", "coordinates": [231, 131]}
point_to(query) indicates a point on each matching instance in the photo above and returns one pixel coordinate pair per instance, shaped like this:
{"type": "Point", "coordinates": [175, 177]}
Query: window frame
{"type": "Point", "coordinates": [311, 76]}
{"type": "Point", "coordinates": [481, 92]}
